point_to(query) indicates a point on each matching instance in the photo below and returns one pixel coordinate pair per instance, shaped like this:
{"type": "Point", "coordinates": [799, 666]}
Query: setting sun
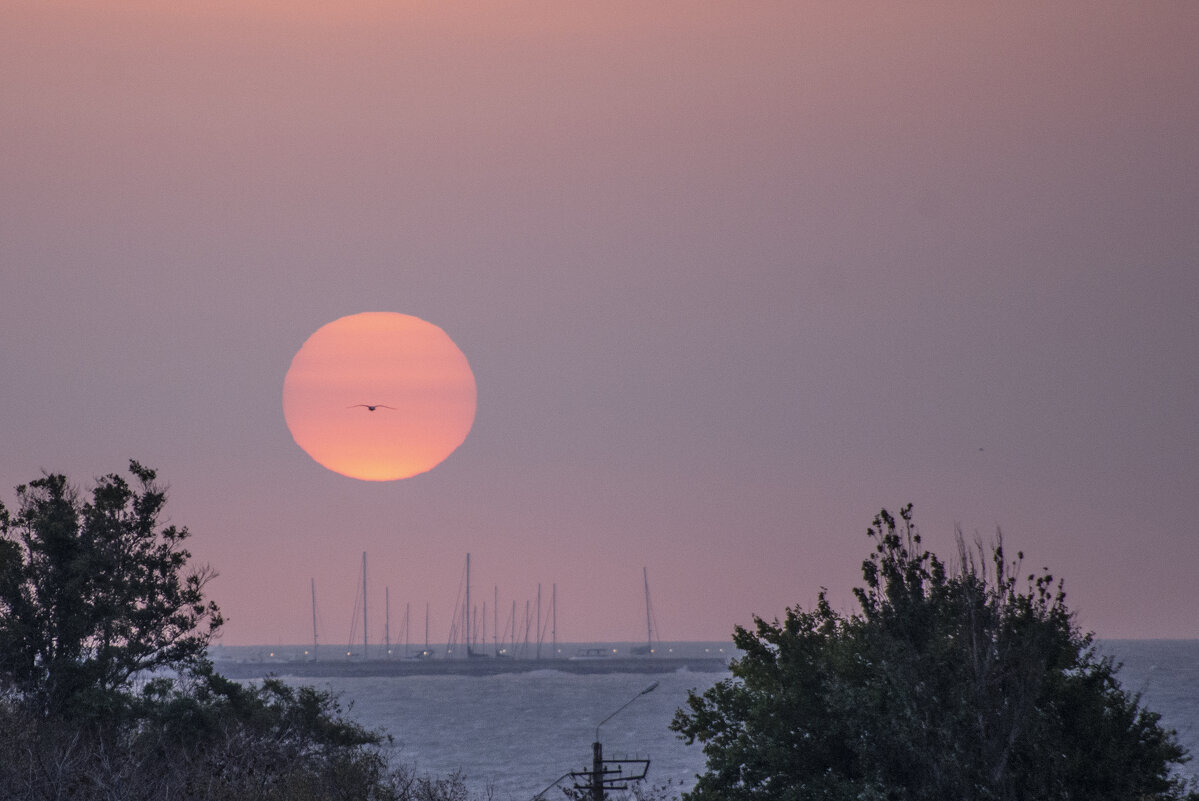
{"type": "Point", "coordinates": [379, 396]}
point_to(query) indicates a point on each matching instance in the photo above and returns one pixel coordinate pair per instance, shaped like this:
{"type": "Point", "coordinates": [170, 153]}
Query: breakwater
{"type": "Point", "coordinates": [478, 666]}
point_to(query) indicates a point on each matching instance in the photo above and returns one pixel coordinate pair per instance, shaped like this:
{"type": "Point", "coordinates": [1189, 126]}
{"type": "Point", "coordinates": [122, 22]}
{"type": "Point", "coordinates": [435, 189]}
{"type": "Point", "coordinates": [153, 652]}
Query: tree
{"type": "Point", "coordinates": [963, 684]}
{"type": "Point", "coordinates": [95, 592]}
{"type": "Point", "coordinates": [106, 691]}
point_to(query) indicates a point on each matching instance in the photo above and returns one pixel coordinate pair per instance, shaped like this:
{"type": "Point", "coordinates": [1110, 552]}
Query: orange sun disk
{"type": "Point", "coordinates": [388, 360]}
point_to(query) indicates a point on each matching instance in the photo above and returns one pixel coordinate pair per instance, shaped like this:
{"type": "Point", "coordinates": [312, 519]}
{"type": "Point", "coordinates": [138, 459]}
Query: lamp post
{"type": "Point", "coordinates": [596, 777]}
{"type": "Point", "coordinates": [597, 749]}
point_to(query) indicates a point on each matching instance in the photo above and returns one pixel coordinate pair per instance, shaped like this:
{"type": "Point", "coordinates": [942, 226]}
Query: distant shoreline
{"type": "Point", "coordinates": [583, 658]}
{"type": "Point", "coordinates": [257, 661]}
{"type": "Point", "coordinates": [324, 668]}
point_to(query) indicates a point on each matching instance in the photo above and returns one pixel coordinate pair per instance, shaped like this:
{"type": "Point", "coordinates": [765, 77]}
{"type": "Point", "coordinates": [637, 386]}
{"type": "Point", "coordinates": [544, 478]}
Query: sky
{"type": "Point", "coordinates": [731, 277]}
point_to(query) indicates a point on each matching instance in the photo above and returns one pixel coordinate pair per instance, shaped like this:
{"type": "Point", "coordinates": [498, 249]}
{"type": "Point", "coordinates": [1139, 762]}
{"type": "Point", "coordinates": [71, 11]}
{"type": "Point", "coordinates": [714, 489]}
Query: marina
{"type": "Point", "coordinates": [467, 651]}
{"type": "Point", "coordinates": [250, 663]}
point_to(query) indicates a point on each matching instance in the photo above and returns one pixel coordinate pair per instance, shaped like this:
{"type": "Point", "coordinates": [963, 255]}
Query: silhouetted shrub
{"type": "Point", "coordinates": [941, 686]}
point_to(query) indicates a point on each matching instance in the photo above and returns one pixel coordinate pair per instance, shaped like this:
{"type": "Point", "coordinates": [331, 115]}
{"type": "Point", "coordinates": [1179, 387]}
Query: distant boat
{"type": "Point", "coordinates": [473, 627]}
{"type": "Point", "coordinates": [353, 622]}
{"type": "Point", "coordinates": [647, 649]}
{"type": "Point", "coordinates": [315, 643]}
{"type": "Point", "coordinates": [593, 653]}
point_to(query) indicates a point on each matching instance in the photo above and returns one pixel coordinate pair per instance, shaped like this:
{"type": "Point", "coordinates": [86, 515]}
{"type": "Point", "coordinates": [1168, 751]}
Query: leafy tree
{"type": "Point", "coordinates": [106, 691]}
{"type": "Point", "coordinates": [963, 684]}
{"type": "Point", "coordinates": [94, 592]}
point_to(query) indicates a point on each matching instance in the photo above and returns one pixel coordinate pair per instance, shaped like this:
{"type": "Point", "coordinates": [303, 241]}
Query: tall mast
{"type": "Point", "coordinates": [407, 635]}
{"type": "Point", "coordinates": [649, 628]}
{"type": "Point", "coordinates": [495, 623]}
{"type": "Point", "coordinates": [314, 644]}
{"type": "Point", "coordinates": [538, 620]}
{"type": "Point", "coordinates": [466, 608]}
{"type": "Point", "coordinates": [364, 644]}
{"type": "Point", "coordinates": [387, 620]}
{"type": "Point", "coordinates": [426, 628]}
{"type": "Point", "coordinates": [554, 607]}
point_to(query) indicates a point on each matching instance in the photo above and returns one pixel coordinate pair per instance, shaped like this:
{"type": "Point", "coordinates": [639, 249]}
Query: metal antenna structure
{"type": "Point", "coordinates": [606, 774]}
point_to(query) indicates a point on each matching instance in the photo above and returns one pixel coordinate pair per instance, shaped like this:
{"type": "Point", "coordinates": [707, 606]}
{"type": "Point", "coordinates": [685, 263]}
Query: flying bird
{"type": "Point", "coordinates": [371, 407]}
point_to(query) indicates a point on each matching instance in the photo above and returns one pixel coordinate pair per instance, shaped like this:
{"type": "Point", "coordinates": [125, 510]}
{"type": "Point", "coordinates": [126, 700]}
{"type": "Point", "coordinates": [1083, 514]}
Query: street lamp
{"type": "Point", "coordinates": [596, 781]}
{"type": "Point", "coordinates": [597, 749]}
{"type": "Point", "coordinates": [646, 691]}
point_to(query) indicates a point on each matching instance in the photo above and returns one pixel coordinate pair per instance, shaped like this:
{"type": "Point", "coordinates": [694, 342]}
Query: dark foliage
{"type": "Point", "coordinates": [106, 693]}
{"type": "Point", "coordinates": [94, 593]}
{"type": "Point", "coordinates": [942, 686]}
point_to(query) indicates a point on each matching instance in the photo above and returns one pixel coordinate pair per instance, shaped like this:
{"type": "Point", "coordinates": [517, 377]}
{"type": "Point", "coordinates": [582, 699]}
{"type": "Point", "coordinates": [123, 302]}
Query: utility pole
{"type": "Point", "coordinates": [598, 778]}
{"type": "Point", "coordinates": [606, 774]}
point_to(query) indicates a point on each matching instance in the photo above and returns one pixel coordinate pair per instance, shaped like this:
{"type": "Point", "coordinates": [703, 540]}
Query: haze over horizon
{"type": "Point", "coordinates": [730, 278]}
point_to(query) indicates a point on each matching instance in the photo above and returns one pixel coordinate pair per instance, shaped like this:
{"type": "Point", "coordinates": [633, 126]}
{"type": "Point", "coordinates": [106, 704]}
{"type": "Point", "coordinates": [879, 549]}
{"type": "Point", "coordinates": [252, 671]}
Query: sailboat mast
{"type": "Point", "coordinates": [466, 608]}
{"type": "Point", "coordinates": [495, 623]}
{"type": "Point", "coordinates": [407, 635]}
{"type": "Point", "coordinates": [314, 644]}
{"type": "Point", "coordinates": [554, 632]}
{"type": "Point", "coordinates": [649, 628]}
{"type": "Point", "coordinates": [364, 643]}
{"type": "Point", "coordinates": [387, 620]}
{"type": "Point", "coordinates": [539, 620]}
{"type": "Point", "coordinates": [426, 628]}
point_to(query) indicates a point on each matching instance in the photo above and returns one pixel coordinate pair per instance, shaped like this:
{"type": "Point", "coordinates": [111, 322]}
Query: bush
{"type": "Point", "coordinates": [941, 686]}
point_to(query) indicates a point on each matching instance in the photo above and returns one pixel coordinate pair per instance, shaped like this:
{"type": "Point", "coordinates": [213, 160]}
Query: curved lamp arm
{"type": "Point", "coordinates": [646, 691]}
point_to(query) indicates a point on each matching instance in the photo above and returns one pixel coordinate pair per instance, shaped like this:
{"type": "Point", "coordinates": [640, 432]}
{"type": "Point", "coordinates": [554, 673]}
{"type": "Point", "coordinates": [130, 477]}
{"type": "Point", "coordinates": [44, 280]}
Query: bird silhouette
{"type": "Point", "coordinates": [371, 407]}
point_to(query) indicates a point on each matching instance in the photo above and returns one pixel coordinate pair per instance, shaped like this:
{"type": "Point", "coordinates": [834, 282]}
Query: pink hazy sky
{"type": "Point", "coordinates": [730, 276]}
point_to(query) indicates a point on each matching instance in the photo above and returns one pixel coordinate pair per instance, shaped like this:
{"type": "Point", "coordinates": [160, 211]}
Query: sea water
{"type": "Point", "coordinates": [514, 734]}
{"type": "Point", "coordinates": [1166, 675]}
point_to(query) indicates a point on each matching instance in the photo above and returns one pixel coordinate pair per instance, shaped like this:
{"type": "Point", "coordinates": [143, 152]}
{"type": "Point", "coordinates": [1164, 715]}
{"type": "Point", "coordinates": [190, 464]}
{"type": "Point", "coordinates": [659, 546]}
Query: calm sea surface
{"type": "Point", "coordinates": [516, 733]}
{"type": "Point", "coordinates": [1166, 673]}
